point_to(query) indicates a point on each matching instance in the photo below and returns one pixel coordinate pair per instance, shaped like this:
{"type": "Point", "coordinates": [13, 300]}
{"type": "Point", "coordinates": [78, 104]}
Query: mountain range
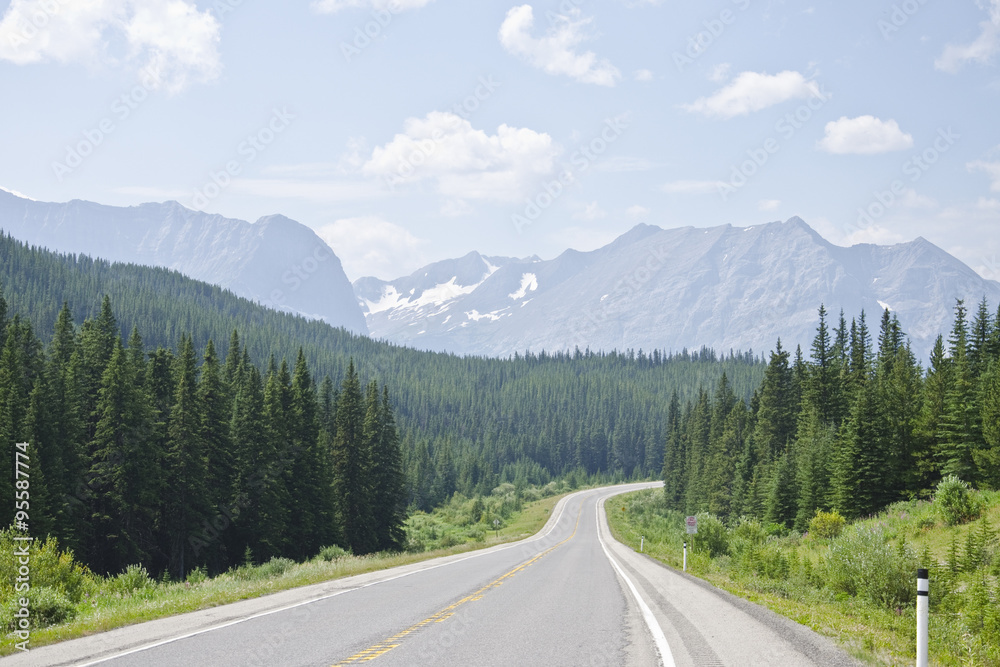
{"type": "Point", "coordinates": [725, 287]}
{"type": "Point", "coordinates": [729, 288]}
{"type": "Point", "coordinates": [275, 261]}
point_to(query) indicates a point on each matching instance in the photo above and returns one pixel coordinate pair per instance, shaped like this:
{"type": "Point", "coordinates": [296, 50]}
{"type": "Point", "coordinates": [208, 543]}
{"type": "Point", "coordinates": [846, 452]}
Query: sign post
{"type": "Point", "coordinates": [496, 526]}
{"type": "Point", "coordinates": [692, 529]}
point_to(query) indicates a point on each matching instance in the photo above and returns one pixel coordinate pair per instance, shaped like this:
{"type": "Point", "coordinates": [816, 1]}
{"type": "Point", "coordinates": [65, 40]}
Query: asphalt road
{"type": "Point", "coordinates": [570, 596]}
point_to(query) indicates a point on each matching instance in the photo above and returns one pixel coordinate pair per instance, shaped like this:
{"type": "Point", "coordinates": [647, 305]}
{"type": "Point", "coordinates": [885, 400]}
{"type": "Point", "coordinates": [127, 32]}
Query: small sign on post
{"type": "Point", "coordinates": [692, 525]}
{"type": "Point", "coordinates": [496, 526]}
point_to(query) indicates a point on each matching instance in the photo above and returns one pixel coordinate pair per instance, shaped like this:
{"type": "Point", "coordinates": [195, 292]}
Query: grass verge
{"type": "Point", "coordinates": [856, 587]}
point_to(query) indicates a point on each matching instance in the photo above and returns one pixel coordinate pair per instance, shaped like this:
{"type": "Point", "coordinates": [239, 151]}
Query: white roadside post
{"type": "Point", "coordinates": [923, 598]}
{"type": "Point", "coordinates": [642, 543]}
{"type": "Point", "coordinates": [692, 529]}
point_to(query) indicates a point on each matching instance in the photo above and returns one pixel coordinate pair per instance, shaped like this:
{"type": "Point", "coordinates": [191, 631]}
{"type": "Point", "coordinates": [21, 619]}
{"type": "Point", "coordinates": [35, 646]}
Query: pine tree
{"type": "Point", "coordinates": [674, 475]}
{"type": "Point", "coordinates": [259, 486]}
{"type": "Point", "coordinates": [124, 512]}
{"type": "Point", "coordinates": [187, 498]}
{"type": "Point", "coordinates": [980, 340]}
{"type": "Point", "coordinates": [776, 414]}
{"type": "Point", "coordinates": [388, 481]}
{"type": "Point", "coordinates": [987, 458]}
{"type": "Point", "coordinates": [310, 483]}
{"type": "Point", "coordinates": [960, 432]}
{"type": "Point", "coordinates": [814, 449]}
{"type": "Point", "coordinates": [860, 462]}
{"type": "Point", "coordinates": [352, 466]}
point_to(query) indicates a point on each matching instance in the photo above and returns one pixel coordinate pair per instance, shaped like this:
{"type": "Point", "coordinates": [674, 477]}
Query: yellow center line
{"type": "Point", "coordinates": [383, 647]}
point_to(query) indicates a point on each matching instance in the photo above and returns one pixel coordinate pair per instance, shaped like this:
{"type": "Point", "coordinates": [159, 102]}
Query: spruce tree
{"type": "Point", "coordinates": [124, 512]}
{"type": "Point", "coordinates": [987, 458]}
{"type": "Point", "coordinates": [187, 497]}
{"type": "Point", "coordinates": [960, 432]}
{"type": "Point", "coordinates": [352, 467]}
{"type": "Point", "coordinates": [388, 481]}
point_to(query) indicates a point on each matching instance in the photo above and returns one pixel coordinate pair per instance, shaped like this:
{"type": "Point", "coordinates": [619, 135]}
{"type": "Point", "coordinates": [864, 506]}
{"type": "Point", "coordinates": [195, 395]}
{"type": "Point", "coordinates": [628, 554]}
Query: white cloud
{"type": "Point", "coordinates": [687, 187]}
{"type": "Point", "coordinates": [456, 208]}
{"type": "Point", "coordinates": [371, 246]}
{"type": "Point", "coordinates": [169, 38]}
{"type": "Point", "coordinates": [980, 50]}
{"type": "Point", "coordinates": [465, 163]}
{"type": "Point", "coordinates": [753, 91]}
{"type": "Point", "coordinates": [395, 6]}
{"type": "Point", "coordinates": [768, 204]}
{"type": "Point", "coordinates": [591, 211]}
{"type": "Point", "coordinates": [555, 52]}
{"type": "Point", "coordinates": [992, 169]}
{"type": "Point", "coordinates": [643, 75]}
{"type": "Point", "coordinates": [864, 135]}
{"type": "Point", "coordinates": [624, 163]}
{"type": "Point", "coordinates": [719, 73]}
{"type": "Point", "coordinates": [637, 211]}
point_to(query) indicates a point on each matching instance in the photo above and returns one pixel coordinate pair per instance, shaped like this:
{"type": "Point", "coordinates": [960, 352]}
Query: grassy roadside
{"type": "Point", "coordinates": [805, 578]}
{"type": "Point", "coordinates": [129, 598]}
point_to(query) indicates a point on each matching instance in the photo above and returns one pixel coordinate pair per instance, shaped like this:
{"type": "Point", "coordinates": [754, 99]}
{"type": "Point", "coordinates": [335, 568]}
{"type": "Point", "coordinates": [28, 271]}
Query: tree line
{"type": "Point", "coordinates": [157, 457]}
{"type": "Point", "coordinates": [466, 424]}
{"type": "Point", "coordinates": [856, 427]}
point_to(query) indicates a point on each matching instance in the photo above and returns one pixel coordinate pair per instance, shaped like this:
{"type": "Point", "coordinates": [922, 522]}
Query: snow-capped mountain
{"type": "Point", "coordinates": [275, 261]}
{"type": "Point", "coordinates": [726, 287]}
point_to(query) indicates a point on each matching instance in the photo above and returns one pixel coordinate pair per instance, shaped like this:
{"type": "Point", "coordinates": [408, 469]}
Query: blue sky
{"type": "Point", "coordinates": [408, 131]}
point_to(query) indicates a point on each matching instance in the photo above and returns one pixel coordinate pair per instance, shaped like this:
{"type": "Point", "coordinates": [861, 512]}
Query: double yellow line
{"type": "Point", "coordinates": [383, 647]}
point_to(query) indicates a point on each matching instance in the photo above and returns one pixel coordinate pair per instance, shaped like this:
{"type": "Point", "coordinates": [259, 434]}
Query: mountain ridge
{"type": "Point", "coordinates": [726, 287]}
{"type": "Point", "coordinates": [275, 261]}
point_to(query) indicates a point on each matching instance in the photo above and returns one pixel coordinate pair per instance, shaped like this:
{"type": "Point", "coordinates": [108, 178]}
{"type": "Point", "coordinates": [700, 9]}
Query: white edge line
{"type": "Point", "coordinates": [213, 628]}
{"type": "Point", "coordinates": [660, 639]}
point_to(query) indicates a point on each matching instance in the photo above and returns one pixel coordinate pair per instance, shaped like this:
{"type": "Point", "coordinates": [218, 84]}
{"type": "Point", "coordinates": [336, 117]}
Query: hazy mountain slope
{"type": "Point", "coordinates": [276, 261]}
{"type": "Point", "coordinates": [724, 287]}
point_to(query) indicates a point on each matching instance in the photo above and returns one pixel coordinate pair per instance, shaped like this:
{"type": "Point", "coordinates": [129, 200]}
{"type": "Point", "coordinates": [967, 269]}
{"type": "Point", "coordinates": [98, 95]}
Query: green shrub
{"type": "Point", "coordinates": [197, 576]}
{"type": "Point", "coordinates": [275, 567]}
{"type": "Point", "coordinates": [826, 525]}
{"type": "Point", "coordinates": [46, 606]}
{"type": "Point", "coordinates": [955, 501]}
{"type": "Point", "coordinates": [333, 552]}
{"type": "Point", "coordinates": [50, 568]}
{"type": "Point", "coordinates": [863, 563]}
{"type": "Point", "coordinates": [711, 537]}
{"type": "Point", "coordinates": [134, 578]}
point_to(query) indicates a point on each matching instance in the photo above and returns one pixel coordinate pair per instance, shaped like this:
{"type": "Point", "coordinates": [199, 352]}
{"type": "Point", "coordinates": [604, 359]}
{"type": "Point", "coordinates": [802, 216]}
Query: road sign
{"type": "Point", "coordinates": [692, 525]}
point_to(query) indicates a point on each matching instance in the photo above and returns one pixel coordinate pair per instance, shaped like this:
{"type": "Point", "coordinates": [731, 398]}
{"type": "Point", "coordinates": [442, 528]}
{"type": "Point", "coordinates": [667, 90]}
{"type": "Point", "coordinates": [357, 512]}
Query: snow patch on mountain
{"type": "Point", "coordinates": [529, 282]}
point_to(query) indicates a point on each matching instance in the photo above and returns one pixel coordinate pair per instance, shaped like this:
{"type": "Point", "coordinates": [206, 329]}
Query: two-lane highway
{"type": "Point", "coordinates": [570, 596]}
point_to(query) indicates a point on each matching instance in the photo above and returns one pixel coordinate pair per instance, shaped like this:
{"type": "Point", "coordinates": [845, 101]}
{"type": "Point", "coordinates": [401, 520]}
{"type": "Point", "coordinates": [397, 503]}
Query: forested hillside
{"type": "Point", "coordinates": [466, 424]}
{"type": "Point", "coordinates": [857, 426]}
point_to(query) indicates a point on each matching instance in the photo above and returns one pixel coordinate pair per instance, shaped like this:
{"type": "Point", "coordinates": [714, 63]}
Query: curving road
{"type": "Point", "coordinates": [570, 596]}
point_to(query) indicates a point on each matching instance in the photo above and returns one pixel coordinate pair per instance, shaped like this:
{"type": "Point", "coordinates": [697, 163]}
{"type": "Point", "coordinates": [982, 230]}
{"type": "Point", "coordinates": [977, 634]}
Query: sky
{"type": "Point", "coordinates": [410, 131]}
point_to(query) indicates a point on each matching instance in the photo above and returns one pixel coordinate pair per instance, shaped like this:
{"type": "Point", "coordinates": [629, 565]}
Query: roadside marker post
{"type": "Point", "coordinates": [923, 599]}
{"type": "Point", "coordinates": [692, 529]}
{"type": "Point", "coordinates": [642, 543]}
